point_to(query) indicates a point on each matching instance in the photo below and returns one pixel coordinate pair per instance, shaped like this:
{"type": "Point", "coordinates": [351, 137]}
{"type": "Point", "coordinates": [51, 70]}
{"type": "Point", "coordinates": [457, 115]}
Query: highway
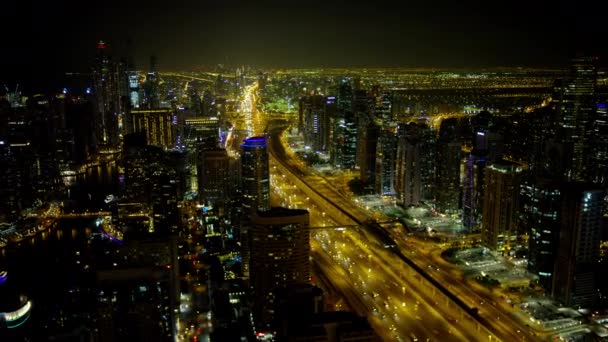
{"type": "Point", "coordinates": [489, 316]}
{"type": "Point", "coordinates": [373, 281]}
{"type": "Point", "coordinates": [433, 298]}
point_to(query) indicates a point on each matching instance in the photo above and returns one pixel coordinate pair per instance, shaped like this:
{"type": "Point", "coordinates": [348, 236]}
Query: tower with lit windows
{"type": "Point", "coordinates": [255, 189]}
{"type": "Point", "coordinates": [255, 174]}
{"type": "Point", "coordinates": [576, 107]}
{"type": "Point", "coordinates": [500, 204]}
{"type": "Point", "coordinates": [280, 252]}
{"type": "Point", "coordinates": [106, 89]}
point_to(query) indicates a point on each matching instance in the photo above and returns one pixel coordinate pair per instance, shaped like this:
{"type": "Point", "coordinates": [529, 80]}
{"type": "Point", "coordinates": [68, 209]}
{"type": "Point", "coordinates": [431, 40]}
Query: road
{"type": "Point", "coordinates": [441, 314]}
{"type": "Point", "coordinates": [364, 274]}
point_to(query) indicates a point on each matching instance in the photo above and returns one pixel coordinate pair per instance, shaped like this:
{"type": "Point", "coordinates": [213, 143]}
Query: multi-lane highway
{"type": "Point", "coordinates": [374, 282]}
{"type": "Point", "coordinates": [403, 299]}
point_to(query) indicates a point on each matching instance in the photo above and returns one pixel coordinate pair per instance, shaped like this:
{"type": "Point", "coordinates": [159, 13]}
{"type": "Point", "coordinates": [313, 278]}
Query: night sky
{"type": "Point", "coordinates": [46, 39]}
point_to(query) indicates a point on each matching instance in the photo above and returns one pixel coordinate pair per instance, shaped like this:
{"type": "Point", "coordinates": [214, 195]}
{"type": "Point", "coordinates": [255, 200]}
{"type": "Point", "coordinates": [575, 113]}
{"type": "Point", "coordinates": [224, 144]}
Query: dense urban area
{"type": "Point", "coordinates": [241, 204]}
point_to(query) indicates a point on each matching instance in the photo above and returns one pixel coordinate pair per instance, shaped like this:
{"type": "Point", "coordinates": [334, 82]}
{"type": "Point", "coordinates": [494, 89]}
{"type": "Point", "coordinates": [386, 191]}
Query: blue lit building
{"type": "Point", "coordinates": [255, 174]}
{"type": "Point", "coordinates": [255, 187]}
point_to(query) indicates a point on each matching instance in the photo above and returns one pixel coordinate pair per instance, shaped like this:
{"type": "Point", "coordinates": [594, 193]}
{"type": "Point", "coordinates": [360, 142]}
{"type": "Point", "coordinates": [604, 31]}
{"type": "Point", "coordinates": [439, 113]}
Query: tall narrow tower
{"type": "Point", "coordinates": [107, 98]}
{"type": "Point", "coordinates": [577, 110]}
{"type": "Point", "coordinates": [500, 203]}
{"type": "Point", "coordinates": [255, 186]}
{"type": "Point", "coordinates": [255, 174]}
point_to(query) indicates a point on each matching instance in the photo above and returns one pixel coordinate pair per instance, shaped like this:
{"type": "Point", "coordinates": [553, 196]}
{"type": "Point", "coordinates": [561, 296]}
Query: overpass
{"type": "Point", "coordinates": [356, 218]}
{"type": "Point", "coordinates": [85, 214]}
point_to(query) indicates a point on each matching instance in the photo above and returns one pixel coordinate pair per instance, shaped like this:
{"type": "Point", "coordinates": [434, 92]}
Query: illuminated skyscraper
{"type": "Point", "coordinates": [368, 143]}
{"type": "Point", "coordinates": [133, 89]}
{"type": "Point", "coordinates": [541, 205]}
{"type": "Point", "coordinates": [575, 101]}
{"type": "Point", "coordinates": [386, 161]}
{"type": "Point", "coordinates": [598, 163]}
{"type": "Point", "coordinates": [213, 178]}
{"type": "Point", "coordinates": [106, 88]}
{"type": "Point", "coordinates": [255, 190]}
{"type": "Point", "coordinates": [158, 124]}
{"type": "Point", "coordinates": [316, 122]}
{"type": "Point", "coordinates": [408, 182]}
{"type": "Point", "coordinates": [280, 252]}
{"type": "Point", "coordinates": [447, 189]}
{"type": "Point", "coordinates": [344, 129]}
{"type": "Point", "coordinates": [415, 163]}
{"type": "Point", "coordinates": [255, 174]}
{"type": "Point", "coordinates": [151, 98]}
{"type": "Point", "coordinates": [574, 281]}
{"type": "Point", "coordinates": [487, 147]}
{"type": "Point", "coordinates": [500, 204]}
{"type": "Point", "coordinates": [362, 106]}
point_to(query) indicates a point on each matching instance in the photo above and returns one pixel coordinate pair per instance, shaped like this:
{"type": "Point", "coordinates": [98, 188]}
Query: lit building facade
{"type": "Point", "coordinates": [316, 122]}
{"type": "Point", "coordinates": [280, 252]}
{"type": "Point", "coordinates": [541, 209]}
{"type": "Point", "coordinates": [213, 177]}
{"type": "Point", "coordinates": [598, 170]}
{"type": "Point", "coordinates": [576, 106]}
{"type": "Point", "coordinates": [255, 174]}
{"type": "Point", "coordinates": [255, 190]}
{"type": "Point", "coordinates": [408, 181]}
{"type": "Point", "coordinates": [110, 108]}
{"type": "Point", "coordinates": [574, 281]}
{"type": "Point", "coordinates": [473, 190]}
{"type": "Point", "coordinates": [158, 124]}
{"type": "Point", "coordinates": [448, 159]}
{"type": "Point", "coordinates": [386, 161]}
{"type": "Point", "coordinates": [500, 204]}
{"type": "Point", "coordinates": [344, 129]}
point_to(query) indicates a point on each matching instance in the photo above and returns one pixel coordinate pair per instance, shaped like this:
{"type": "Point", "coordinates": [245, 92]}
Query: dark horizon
{"type": "Point", "coordinates": [45, 41]}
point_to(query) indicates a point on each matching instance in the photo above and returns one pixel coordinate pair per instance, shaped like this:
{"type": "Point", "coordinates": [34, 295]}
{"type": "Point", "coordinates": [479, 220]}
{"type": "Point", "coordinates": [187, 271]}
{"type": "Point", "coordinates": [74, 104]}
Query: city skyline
{"type": "Point", "coordinates": [49, 40]}
{"type": "Point", "coordinates": [232, 171]}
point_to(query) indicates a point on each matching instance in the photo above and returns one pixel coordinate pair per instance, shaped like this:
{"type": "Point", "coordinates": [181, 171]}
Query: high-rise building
{"type": "Point", "coordinates": [135, 163]}
{"type": "Point", "coordinates": [574, 280]}
{"type": "Point", "coordinates": [316, 122]}
{"type": "Point", "coordinates": [500, 204]}
{"type": "Point", "coordinates": [159, 125]}
{"type": "Point", "coordinates": [386, 161]}
{"type": "Point", "coordinates": [598, 163]}
{"type": "Point", "coordinates": [165, 188]}
{"type": "Point", "coordinates": [415, 163]}
{"type": "Point", "coordinates": [408, 181]}
{"type": "Point", "coordinates": [138, 291]}
{"type": "Point", "coordinates": [362, 106]}
{"type": "Point", "coordinates": [575, 102]}
{"type": "Point", "coordinates": [151, 98]}
{"type": "Point", "coordinates": [344, 129]}
{"type": "Point", "coordinates": [133, 89]}
{"type": "Point", "coordinates": [448, 158]}
{"type": "Point", "coordinates": [473, 190]}
{"type": "Point", "coordinates": [213, 177]}
{"type": "Point", "coordinates": [197, 128]}
{"type": "Point", "coordinates": [255, 174]}
{"type": "Point", "coordinates": [255, 190]}
{"type": "Point", "coordinates": [487, 147]}
{"type": "Point", "coordinates": [541, 212]}
{"type": "Point", "coordinates": [428, 168]}
{"type": "Point", "coordinates": [280, 252]}
{"type": "Point", "coordinates": [382, 107]}
{"type": "Point", "coordinates": [368, 143]}
{"type": "Point", "coordinates": [107, 78]}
